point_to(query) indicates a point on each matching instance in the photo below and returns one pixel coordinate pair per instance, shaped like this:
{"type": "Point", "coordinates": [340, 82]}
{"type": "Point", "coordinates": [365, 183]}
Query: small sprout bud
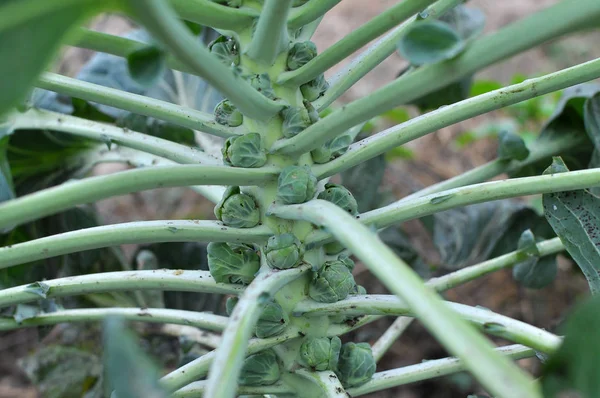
{"type": "Point", "coordinates": [333, 282]}
{"type": "Point", "coordinates": [300, 54]}
{"type": "Point", "coordinates": [339, 196]}
{"type": "Point", "coordinates": [244, 151]}
{"type": "Point", "coordinates": [226, 49]}
{"type": "Point", "coordinates": [511, 146]}
{"type": "Point", "coordinates": [332, 149]}
{"type": "Point", "coordinates": [347, 261]}
{"type": "Point", "coordinates": [262, 84]}
{"type": "Point", "coordinates": [296, 184]}
{"type": "Point", "coordinates": [283, 251]}
{"type": "Point", "coordinates": [271, 322]}
{"type": "Point", "coordinates": [260, 369]}
{"type": "Point", "coordinates": [360, 290]}
{"type": "Point", "coordinates": [356, 365]}
{"type": "Point", "coordinates": [320, 353]}
{"type": "Point", "coordinates": [227, 114]}
{"type": "Point", "coordinates": [295, 120]}
{"type": "Point", "coordinates": [237, 210]}
{"type": "Point", "coordinates": [314, 88]}
{"type": "Point", "coordinates": [232, 263]}
{"type": "Point", "coordinates": [333, 248]}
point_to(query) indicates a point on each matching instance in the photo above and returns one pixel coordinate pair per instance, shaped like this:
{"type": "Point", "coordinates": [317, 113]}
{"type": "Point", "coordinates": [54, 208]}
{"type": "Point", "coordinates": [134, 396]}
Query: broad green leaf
{"type": "Point", "coordinates": [363, 180]}
{"type": "Point", "coordinates": [64, 372]}
{"type": "Point", "coordinates": [146, 65]}
{"type": "Point", "coordinates": [573, 370]}
{"type": "Point", "coordinates": [575, 217]}
{"type": "Point", "coordinates": [511, 146]}
{"type": "Point", "coordinates": [591, 119]}
{"type": "Point", "coordinates": [428, 42]}
{"type": "Point", "coordinates": [129, 371]}
{"type": "Point", "coordinates": [29, 46]}
{"type": "Point", "coordinates": [399, 242]}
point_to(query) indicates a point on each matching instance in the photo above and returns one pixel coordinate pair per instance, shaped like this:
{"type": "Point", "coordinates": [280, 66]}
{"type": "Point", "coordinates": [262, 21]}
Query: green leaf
{"type": "Point", "coordinates": [363, 180]}
{"type": "Point", "coordinates": [29, 46]}
{"type": "Point", "coordinates": [591, 119]}
{"type": "Point", "coordinates": [574, 367]}
{"type": "Point", "coordinates": [533, 272]}
{"type": "Point", "coordinates": [84, 109]}
{"type": "Point", "coordinates": [400, 243]}
{"type": "Point", "coordinates": [575, 217]}
{"type": "Point", "coordinates": [64, 372]}
{"type": "Point", "coordinates": [129, 371]}
{"type": "Point", "coordinates": [428, 42]}
{"type": "Point", "coordinates": [146, 65]}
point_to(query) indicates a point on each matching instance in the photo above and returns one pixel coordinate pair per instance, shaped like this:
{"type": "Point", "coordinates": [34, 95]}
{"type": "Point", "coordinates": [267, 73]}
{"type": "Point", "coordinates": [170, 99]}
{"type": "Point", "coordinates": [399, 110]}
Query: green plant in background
{"type": "Point", "coordinates": [284, 234]}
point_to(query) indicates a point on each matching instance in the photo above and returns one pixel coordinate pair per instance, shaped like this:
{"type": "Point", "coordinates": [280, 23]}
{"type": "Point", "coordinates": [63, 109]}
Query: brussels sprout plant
{"type": "Point", "coordinates": [263, 150]}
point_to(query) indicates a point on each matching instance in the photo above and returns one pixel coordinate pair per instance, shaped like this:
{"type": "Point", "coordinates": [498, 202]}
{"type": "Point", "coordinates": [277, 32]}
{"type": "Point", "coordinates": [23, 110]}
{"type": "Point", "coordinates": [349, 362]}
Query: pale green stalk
{"type": "Point", "coordinates": [271, 36]}
{"type": "Point", "coordinates": [309, 12]}
{"type": "Point", "coordinates": [374, 55]}
{"type": "Point", "coordinates": [202, 320]}
{"type": "Point", "coordinates": [517, 37]}
{"type": "Point", "coordinates": [354, 41]}
{"type": "Point", "coordinates": [162, 279]}
{"type": "Point", "coordinates": [224, 371]}
{"type": "Point", "coordinates": [61, 197]}
{"type": "Point", "coordinates": [310, 383]}
{"type": "Point", "coordinates": [198, 368]}
{"type": "Point", "coordinates": [135, 158]}
{"type": "Point", "coordinates": [499, 166]}
{"type": "Point", "coordinates": [197, 389]}
{"type": "Point", "coordinates": [46, 120]}
{"type": "Point", "coordinates": [115, 45]}
{"type": "Point", "coordinates": [429, 369]}
{"type": "Point", "coordinates": [138, 232]}
{"type": "Point", "coordinates": [162, 22]}
{"type": "Point", "coordinates": [135, 103]}
{"type": "Point", "coordinates": [309, 30]}
{"type": "Point", "coordinates": [209, 13]}
{"type": "Point", "coordinates": [497, 374]}
{"type": "Point", "coordinates": [486, 320]}
{"type": "Point", "coordinates": [422, 206]}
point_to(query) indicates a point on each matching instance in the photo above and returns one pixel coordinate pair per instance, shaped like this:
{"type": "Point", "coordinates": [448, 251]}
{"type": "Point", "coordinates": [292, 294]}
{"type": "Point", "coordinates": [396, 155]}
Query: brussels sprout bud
{"type": "Point", "coordinates": [271, 322]}
{"type": "Point", "coordinates": [320, 353]}
{"type": "Point", "coordinates": [314, 88]}
{"type": "Point", "coordinates": [244, 151]}
{"type": "Point", "coordinates": [333, 282]}
{"type": "Point", "coordinates": [237, 210]}
{"type": "Point", "coordinates": [347, 261]}
{"type": "Point", "coordinates": [332, 149]}
{"type": "Point", "coordinates": [333, 248]}
{"type": "Point", "coordinates": [339, 196]}
{"type": "Point", "coordinates": [232, 263]}
{"type": "Point", "coordinates": [227, 114]}
{"type": "Point", "coordinates": [283, 251]}
{"type": "Point", "coordinates": [262, 84]}
{"type": "Point", "coordinates": [260, 369]}
{"type": "Point", "coordinates": [225, 48]}
{"type": "Point", "coordinates": [294, 121]}
{"type": "Point", "coordinates": [300, 54]}
{"type": "Point", "coordinates": [296, 184]}
{"type": "Point", "coordinates": [356, 365]}
{"type": "Point", "coordinates": [360, 290]}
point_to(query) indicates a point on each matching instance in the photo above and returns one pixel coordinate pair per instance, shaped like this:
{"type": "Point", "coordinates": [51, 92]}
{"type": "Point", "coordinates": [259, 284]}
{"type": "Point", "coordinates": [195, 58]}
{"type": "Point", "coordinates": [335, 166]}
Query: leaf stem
{"type": "Point", "coordinates": [271, 36]}
{"type": "Point", "coordinates": [517, 37]}
{"type": "Point", "coordinates": [429, 369]}
{"type": "Point", "coordinates": [197, 389]}
{"type": "Point", "coordinates": [374, 55]}
{"type": "Point", "coordinates": [209, 13]}
{"type": "Point", "coordinates": [135, 103]}
{"type": "Point", "coordinates": [448, 115]}
{"type": "Point", "coordinates": [354, 41]}
{"type": "Point", "coordinates": [61, 197]}
{"type": "Point", "coordinates": [202, 320]}
{"type": "Point", "coordinates": [224, 371]}
{"type": "Point", "coordinates": [53, 121]}
{"type": "Point", "coordinates": [486, 320]}
{"type": "Point", "coordinates": [162, 22]}
{"type": "Point", "coordinates": [162, 279]}
{"type": "Point", "coordinates": [309, 12]}
{"type": "Point", "coordinates": [138, 232]}
{"type": "Point", "coordinates": [497, 374]}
